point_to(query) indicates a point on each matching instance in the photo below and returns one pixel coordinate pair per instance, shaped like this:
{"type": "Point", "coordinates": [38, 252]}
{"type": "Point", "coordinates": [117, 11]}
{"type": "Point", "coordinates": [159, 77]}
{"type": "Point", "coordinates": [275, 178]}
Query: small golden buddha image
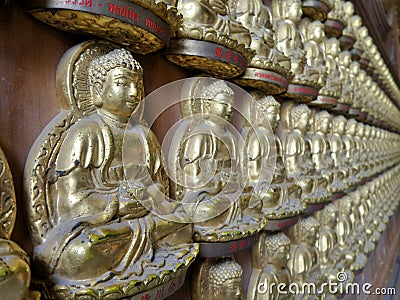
{"type": "Point", "coordinates": [261, 143]}
{"type": "Point", "coordinates": [269, 259]}
{"type": "Point", "coordinates": [351, 152]}
{"type": "Point", "coordinates": [207, 167]}
{"type": "Point", "coordinates": [298, 161]}
{"type": "Point", "coordinates": [337, 153]}
{"type": "Point", "coordinates": [346, 96]}
{"type": "Point", "coordinates": [352, 22]}
{"type": "Point", "coordinates": [332, 86]}
{"type": "Point", "coordinates": [257, 17]}
{"type": "Point", "coordinates": [359, 222]}
{"type": "Point", "coordinates": [332, 259]}
{"type": "Point", "coordinates": [213, 17]}
{"type": "Point", "coordinates": [335, 22]}
{"type": "Point", "coordinates": [90, 232]}
{"type": "Point", "coordinates": [348, 242]}
{"type": "Point", "coordinates": [288, 40]}
{"type": "Point", "coordinates": [15, 272]}
{"type": "Point", "coordinates": [314, 35]}
{"type": "Point", "coordinates": [304, 264]}
{"type": "Point", "coordinates": [217, 278]}
{"type": "Point", "coordinates": [321, 124]}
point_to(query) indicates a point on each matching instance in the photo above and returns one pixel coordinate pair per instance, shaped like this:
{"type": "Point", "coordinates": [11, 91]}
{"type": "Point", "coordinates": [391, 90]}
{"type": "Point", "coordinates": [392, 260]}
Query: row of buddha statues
{"type": "Point", "coordinates": [109, 217]}
{"type": "Point", "coordinates": [320, 65]}
{"type": "Point", "coordinates": [317, 52]}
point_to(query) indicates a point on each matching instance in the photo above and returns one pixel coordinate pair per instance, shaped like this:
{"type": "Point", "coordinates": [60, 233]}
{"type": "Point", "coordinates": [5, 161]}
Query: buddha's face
{"type": "Point", "coordinates": [281, 256]}
{"type": "Point", "coordinates": [319, 33]}
{"type": "Point", "coordinates": [220, 106]}
{"type": "Point", "coordinates": [294, 11]}
{"type": "Point", "coordinates": [332, 219]}
{"type": "Point", "coordinates": [273, 115]}
{"type": "Point", "coordinates": [352, 128]}
{"type": "Point", "coordinates": [348, 8]}
{"type": "Point", "coordinates": [231, 290]}
{"type": "Point", "coordinates": [333, 47]}
{"type": "Point", "coordinates": [122, 91]}
{"type": "Point", "coordinates": [303, 122]}
{"type": "Point", "coordinates": [325, 125]}
{"type": "Point", "coordinates": [310, 236]}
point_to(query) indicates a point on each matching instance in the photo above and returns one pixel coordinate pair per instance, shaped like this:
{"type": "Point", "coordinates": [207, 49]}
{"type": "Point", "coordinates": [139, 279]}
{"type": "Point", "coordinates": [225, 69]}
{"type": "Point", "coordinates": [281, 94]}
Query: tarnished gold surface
{"type": "Point", "coordinates": [217, 278]}
{"type": "Point", "coordinates": [126, 33]}
{"type": "Point", "coordinates": [92, 237]}
{"type": "Point", "coordinates": [15, 273]}
{"type": "Point", "coordinates": [269, 259]}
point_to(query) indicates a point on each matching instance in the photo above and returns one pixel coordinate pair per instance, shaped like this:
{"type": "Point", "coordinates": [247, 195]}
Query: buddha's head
{"type": "Point", "coordinates": [300, 115]}
{"type": "Point", "coordinates": [323, 121]}
{"type": "Point", "coordinates": [307, 230]}
{"type": "Point", "coordinates": [226, 280]}
{"type": "Point", "coordinates": [277, 249]}
{"type": "Point", "coordinates": [217, 99]}
{"type": "Point", "coordinates": [116, 81]}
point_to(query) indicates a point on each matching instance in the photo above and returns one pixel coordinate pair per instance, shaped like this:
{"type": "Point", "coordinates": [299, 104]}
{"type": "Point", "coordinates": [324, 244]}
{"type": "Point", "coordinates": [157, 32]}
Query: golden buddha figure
{"type": "Point", "coordinates": [209, 20]}
{"type": "Point", "coordinates": [288, 39]}
{"type": "Point", "coordinates": [358, 48]}
{"type": "Point", "coordinates": [354, 69]}
{"type": "Point", "coordinates": [352, 22]}
{"type": "Point", "coordinates": [332, 86]}
{"type": "Point", "coordinates": [257, 17]}
{"type": "Point", "coordinates": [269, 260]}
{"type": "Point", "coordinates": [210, 39]}
{"type": "Point", "coordinates": [374, 202]}
{"type": "Point", "coordinates": [207, 165]}
{"type": "Point", "coordinates": [369, 220]}
{"type": "Point", "coordinates": [314, 35]}
{"type": "Point", "coordinates": [351, 153]}
{"type": "Point", "coordinates": [273, 199]}
{"type": "Point", "coordinates": [337, 153]}
{"type": "Point", "coordinates": [299, 168]}
{"type": "Point", "coordinates": [359, 148]}
{"type": "Point", "coordinates": [320, 153]}
{"type": "Point", "coordinates": [335, 22]}
{"type": "Point", "coordinates": [217, 278]}
{"type": "Point", "coordinates": [361, 233]}
{"type": "Point", "coordinates": [15, 272]}
{"type": "Point", "coordinates": [332, 260]}
{"type": "Point", "coordinates": [348, 242]}
{"type": "Point", "coordinates": [304, 263]}
{"type": "Point", "coordinates": [346, 95]}
{"type": "Point", "coordinates": [91, 234]}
